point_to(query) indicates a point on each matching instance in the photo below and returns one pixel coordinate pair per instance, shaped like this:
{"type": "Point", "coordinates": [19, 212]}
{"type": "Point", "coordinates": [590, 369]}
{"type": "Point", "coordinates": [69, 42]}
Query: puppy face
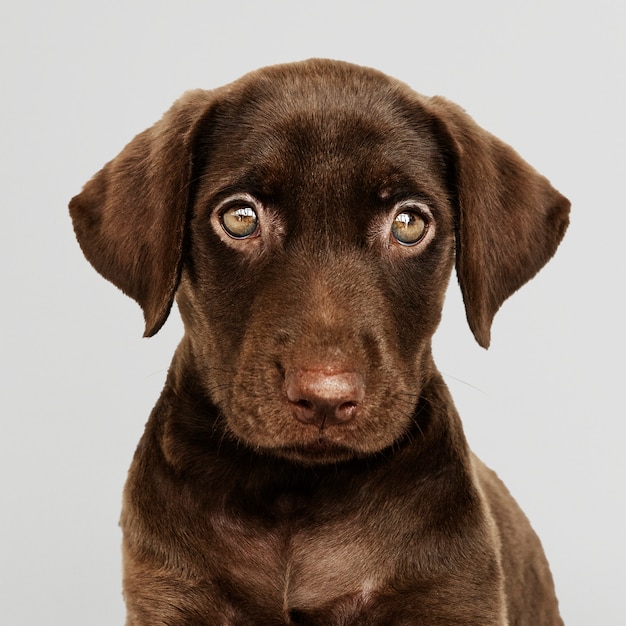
{"type": "Point", "coordinates": [306, 217]}
{"type": "Point", "coordinates": [321, 242]}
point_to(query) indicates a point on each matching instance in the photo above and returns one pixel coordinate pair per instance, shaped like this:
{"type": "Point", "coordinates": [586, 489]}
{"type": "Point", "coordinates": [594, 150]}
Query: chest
{"type": "Point", "coordinates": [302, 565]}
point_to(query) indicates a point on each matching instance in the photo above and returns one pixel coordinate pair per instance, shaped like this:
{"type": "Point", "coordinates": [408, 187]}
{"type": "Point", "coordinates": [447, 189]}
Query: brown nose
{"type": "Point", "coordinates": [321, 398]}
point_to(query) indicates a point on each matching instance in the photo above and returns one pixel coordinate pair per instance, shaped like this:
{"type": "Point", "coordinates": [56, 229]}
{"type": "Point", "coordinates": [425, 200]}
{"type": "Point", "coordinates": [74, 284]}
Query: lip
{"type": "Point", "coordinates": [318, 451]}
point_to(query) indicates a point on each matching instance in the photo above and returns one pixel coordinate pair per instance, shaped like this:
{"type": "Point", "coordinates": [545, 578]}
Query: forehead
{"type": "Point", "coordinates": [325, 131]}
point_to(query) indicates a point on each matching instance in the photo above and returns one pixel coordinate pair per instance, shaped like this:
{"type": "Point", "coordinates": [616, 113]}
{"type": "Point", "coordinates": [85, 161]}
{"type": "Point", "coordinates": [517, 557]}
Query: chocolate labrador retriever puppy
{"type": "Point", "coordinates": [305, 463]}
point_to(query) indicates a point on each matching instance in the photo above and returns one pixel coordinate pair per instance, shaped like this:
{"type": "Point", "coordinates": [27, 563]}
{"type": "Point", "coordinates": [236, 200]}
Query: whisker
{"type": "Point", "coordinates": [464, 382]}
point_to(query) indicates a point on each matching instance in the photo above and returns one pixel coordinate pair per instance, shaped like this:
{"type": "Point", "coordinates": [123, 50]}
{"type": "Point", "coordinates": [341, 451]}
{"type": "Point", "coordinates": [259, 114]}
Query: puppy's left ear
{"type": "Point", "coordinates": [130, 217]}
{"type": "Point", "coordinates": [510, 219]}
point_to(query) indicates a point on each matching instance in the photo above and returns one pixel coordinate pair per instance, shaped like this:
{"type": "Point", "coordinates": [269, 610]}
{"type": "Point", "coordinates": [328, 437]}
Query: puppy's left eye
{"type": "Point", "coordinates": [409, 227]}
{"type": "Point", "coordinates": [240, 222]}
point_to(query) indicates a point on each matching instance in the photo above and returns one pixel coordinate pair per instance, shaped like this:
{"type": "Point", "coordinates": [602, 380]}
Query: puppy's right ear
{"type": "Point", "coordinates": [130, 217]}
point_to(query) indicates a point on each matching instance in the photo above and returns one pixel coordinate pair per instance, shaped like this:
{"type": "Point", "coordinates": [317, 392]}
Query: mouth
{"type": "Point", "coordinates": [318, 451]}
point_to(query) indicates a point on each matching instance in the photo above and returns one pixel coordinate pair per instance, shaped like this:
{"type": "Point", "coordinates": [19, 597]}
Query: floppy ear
{"type": "Point", "coordinates": [130, 217]}
{"type": "Point", "coordinates": [510, 219]}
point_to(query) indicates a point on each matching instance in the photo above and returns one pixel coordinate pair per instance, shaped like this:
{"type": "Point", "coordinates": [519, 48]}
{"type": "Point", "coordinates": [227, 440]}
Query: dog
{"type": "Point", "coordinates": [305, 463]}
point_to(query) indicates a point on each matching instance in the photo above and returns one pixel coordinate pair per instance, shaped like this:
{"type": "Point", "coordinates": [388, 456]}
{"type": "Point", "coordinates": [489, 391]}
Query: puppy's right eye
{"type": "Point", "coordinates": [240, 222]}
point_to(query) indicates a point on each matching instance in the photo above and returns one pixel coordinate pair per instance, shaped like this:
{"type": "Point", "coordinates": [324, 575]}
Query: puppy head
{"type": "Point", "coordinates": [307, 218]}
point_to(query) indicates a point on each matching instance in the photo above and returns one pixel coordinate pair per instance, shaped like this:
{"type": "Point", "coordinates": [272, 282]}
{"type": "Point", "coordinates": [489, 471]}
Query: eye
{"type": "Point", "coordinates": [409, 227]}
{"type": "Point", "coordinates": [240, 222]}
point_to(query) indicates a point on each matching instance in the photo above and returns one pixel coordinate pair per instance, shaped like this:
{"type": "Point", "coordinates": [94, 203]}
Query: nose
{"type": "Point", "coordinates": [323, 397]}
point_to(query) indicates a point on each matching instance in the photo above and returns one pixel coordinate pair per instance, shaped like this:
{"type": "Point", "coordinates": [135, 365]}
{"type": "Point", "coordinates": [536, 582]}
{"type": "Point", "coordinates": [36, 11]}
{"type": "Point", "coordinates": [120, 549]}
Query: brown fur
{"type": "Point", "coordinates": [305, 463]}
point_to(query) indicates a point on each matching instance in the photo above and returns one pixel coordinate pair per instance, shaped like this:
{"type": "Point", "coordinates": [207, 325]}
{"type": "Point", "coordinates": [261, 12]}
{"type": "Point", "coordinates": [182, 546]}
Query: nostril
{"type": "Point", "coordinates": [304, 404]}
{"type": "Point", "coordinates": [345, 412]}
{"type": "Point", "coordinates": [304, 411]}
{"type": "Point", "coordinates": [347, 406]}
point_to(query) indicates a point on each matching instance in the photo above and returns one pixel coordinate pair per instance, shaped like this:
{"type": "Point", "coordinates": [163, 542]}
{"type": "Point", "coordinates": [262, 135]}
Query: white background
{"type": "Point", "coordinates": [544, 406]}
